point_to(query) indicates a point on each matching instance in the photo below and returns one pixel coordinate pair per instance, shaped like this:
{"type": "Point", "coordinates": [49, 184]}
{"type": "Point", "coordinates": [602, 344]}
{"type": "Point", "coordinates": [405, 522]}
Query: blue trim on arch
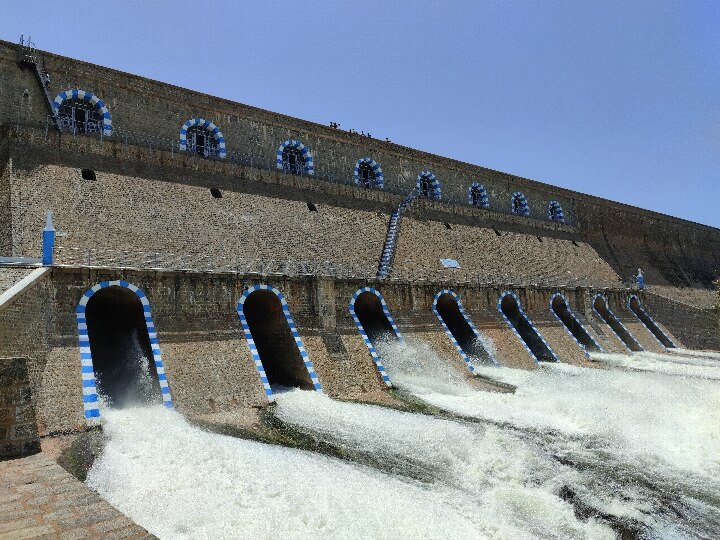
{"type": "Point", "coordinates": [484, 201]}
{"type": "Point", "coordinates": [524, 209]}
{"type": "Point", "coordinates": [572, 314]}
{"type": "Point", "coordinates": [209, 126]}
{"type": "Point", "coordinates": [304, 151]}
{"type": "Point", "coordinates": [522, 341]}
{"type": "Point", "coordinates": [379, 176]}
{"type": "Point", "coordinates": [90, 397]}
{"type": "Point", "coordinates": [462, 353]}
{"type": "Point", "coordinates": [437, 190]}
{"type": "Point", "coordinates": [366, 339]}
{"type": "Point", "coordinates": [88, 97]}
{"type": "Point", "coordinates": [610, 311]}
{"type": "Point", "coordinates": [555, 212]}
{"type": "Point", "coordinates": [293, 330]}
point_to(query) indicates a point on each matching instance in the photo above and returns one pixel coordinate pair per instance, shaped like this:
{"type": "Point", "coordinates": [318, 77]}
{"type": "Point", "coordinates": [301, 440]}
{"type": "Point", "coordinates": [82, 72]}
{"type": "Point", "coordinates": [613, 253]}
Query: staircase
{"type": "Point", "coordinates": [388, 252]}
{"type": "Point", "coordinates": [28, 55]}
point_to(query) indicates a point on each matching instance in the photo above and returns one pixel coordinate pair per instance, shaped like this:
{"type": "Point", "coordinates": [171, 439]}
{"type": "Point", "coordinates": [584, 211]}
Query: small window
{"type": "Point", "coordinates": [215, 192]}
{"type": "Point", "coordinates": [447, 226]}
{"type": "Point", "coordinates": [312, 207]}
{"type": "Point", "coordinates": [293, 161]}
{"type": "Point", "coordinates": [519, 205]}
{"type": "Point", "coordinates": [555, 212]}
{"type": "Point", "coordinates": [497, 232]}
{"type": "Point", "coordinates": [88, 174]}
{"type": "Point", "coordinates": [201, 141]}
{"type": "Point", "coordinates": [366, 175]}
{"type": "Point", "coordinates": [575, 243]}
{"type": "Point", "coordinates": [539, 239]}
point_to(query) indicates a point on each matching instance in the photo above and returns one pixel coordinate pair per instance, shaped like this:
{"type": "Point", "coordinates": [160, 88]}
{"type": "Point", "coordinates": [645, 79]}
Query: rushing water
{"type": "Point", "coordinates": [638, 444]}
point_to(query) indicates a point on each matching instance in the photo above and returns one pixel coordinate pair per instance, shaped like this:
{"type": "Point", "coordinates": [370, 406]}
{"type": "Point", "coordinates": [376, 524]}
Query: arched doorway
{"type": "Point", "coordinates": [274, 341]}
{"type": "Point", "coordinates": [463, 334]}
{"type": "Point", "coordinates": [510, 308]}
{"type": "Point", "coordinates": [637, 308]}
{"type": "Point", "coordinates": [374, 322]}
{"type": "Point", "coordinates": [561, 310]}
{"type": "Point", "coordinates": [601, 307]}
{"type": "Point", "coordinates": [119, 349]}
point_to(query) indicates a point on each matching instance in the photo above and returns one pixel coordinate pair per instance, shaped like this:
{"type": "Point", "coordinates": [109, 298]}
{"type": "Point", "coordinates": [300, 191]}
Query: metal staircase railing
{"type": "Point", "coordinates": [28, 55]}
{"type": "Point", "coordinates": [388, 252]}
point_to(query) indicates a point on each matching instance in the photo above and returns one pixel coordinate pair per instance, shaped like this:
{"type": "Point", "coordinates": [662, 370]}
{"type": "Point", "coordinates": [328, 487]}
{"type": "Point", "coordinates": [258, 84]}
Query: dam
{"type": "Point", "coordinates": [215, 261]}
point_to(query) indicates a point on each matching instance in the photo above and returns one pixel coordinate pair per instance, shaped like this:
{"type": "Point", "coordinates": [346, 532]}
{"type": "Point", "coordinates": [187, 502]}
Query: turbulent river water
{"type": "Point", "coordinates": [633, 449]}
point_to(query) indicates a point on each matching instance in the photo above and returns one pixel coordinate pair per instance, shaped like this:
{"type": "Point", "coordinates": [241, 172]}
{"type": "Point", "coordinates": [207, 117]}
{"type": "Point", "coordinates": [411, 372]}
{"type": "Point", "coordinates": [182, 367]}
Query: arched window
{"type": "Point", "coordinates": [295, 158]}
{"type": "Point", "coordinates": [555, 212]}
{"type": "Point", "coordinates": [79, 111]}
{"type": "Point", "coordinates": [367, 173]}
{"type": "Point", "coordinates": [477, 196]}
{"type": "Point", "coordinates": [519, 204]}
{"type": "Point", "coordinates": [428, 185]}
{"type": "Point", "coordinates": [203, 138]}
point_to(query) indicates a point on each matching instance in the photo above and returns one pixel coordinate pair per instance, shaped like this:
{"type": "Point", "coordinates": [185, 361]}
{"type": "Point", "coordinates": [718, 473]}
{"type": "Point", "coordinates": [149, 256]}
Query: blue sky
{"type": "Point", "coordinates": [619, 99]}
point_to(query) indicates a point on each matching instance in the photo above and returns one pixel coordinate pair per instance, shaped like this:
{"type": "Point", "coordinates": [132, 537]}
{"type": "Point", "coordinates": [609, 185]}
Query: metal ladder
{"type": "Point", "coordinates": [388, 252]}
{"type": "Point", "coordinates": [28, 55]}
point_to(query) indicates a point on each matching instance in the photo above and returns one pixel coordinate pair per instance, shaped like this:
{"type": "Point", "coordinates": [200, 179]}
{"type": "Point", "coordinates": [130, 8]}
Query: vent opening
{"type": "Point", "coordinates": [530, 336]}
{"type": "Point", "coordinates": [312, 207]}
{"type": "Point", "coordinates": [216, 193]}
{"type": "Point", "coordinates": [560, 308]}
{"type": "Point", "coordinates": [608, 316]}
{"type": "Point", "coordinates": [447, 226]}
{"type": "Point", "coordinates": [497, 232]}
{"type": "Point", "coordinates": [638, 310]}
{"type": "Point", "coordinates": [539, 239]}
{"type": "Point", "coordinates": [88, 174]}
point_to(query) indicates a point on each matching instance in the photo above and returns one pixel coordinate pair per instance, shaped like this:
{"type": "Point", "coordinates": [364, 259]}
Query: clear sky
{"type": "Point", "coordinates": [616, 98]}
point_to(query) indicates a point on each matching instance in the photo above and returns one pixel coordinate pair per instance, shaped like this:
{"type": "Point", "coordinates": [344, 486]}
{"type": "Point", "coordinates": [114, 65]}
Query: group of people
{"type": "Point", "coordinates": [335, 125]}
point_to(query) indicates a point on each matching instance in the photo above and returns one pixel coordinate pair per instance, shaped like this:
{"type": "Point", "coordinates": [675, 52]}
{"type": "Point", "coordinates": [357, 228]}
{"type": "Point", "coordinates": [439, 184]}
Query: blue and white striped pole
{"type": "Point", "coordinates": [48, 241]}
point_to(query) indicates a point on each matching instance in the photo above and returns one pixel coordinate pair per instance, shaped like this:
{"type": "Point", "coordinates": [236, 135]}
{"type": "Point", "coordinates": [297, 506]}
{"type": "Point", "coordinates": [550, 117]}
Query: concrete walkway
{"type": "Point", "coordinates": [39, 499]}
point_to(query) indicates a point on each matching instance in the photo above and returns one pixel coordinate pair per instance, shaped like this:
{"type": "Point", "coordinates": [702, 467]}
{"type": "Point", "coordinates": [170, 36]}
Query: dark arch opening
{"type": "Point", "coordinates": [601, 307]}
{"type": "Point", "coordinates": [293, 160]}
{"type": "Point", "coordinates": [426, 187]}
{"type": "Point", "coordinates": [529, 335]}
{"type": "Point", "coordinates": [80, 116]}
{"type": "Point", "coordinates": [560, 308]}
{"type": "Point", "coordinates": [366, 175]}
{"type": "Point", "coordinates": [122, 357]}
{"type": "Point", "coordinates": [275, 343]}
{"type": "Point", "coordinates": [638, 310]}
{"type": "Point", "coordinates": [476, 196]}
{"type": "Point", "coordinates": [459, 327]}
{"type": "Point", "coordinates": [201, 141]}
{"type": "Point", "coordinates": [369, 311]}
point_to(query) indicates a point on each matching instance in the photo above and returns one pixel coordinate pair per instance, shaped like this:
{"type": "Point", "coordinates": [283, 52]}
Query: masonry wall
{"type": "Point", "coordinates": [18, 429]}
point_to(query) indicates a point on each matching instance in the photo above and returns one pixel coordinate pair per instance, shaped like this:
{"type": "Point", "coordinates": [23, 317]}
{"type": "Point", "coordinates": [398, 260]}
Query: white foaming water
{"type": "Point", "coordinates": [669, 364]}
{"type": "Point", "coordinates": [183, 483]}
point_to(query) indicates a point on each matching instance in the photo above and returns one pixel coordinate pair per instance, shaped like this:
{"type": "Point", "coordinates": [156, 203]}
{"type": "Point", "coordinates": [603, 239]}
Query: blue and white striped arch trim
{"type": "Point", "coordinates": [484, 200]}
{"type": "Point", "coordinates": [90, 397]}
{"type": "Point", "coordinates": [610, 311]}
{"type": "Point", "coordinates": [366, 339]}
{"type": "Point", "coordinates": [649, 317]}
{"type": "Point", "coordinates": [293, 330]}
{"type": "Point", "coordinates": [379, 177]}
{"type": "Point", "coordinates": [523, 209]}
{"type": "Point", "coordinates": [572, 314]}
{"type": "Point", "coordinates": [464, 356]}
{"type": "Point", "coordinates": [304, 151]}
{"type": "Point", "coordinates": [89, 97]}
{"type": "Point", "coordinates": [437, 191]}
{"type": "Point", "coordinates": [555, 212]}
{"type": "Point", "coordinates": [208, 125]}
{"type": "Point", "coordinates": [522, 341]}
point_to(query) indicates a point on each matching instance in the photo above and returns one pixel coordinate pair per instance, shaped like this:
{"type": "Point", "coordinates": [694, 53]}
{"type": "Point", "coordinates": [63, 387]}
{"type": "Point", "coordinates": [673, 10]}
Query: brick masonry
{"type": "Point", "coordinates": [18, 428]}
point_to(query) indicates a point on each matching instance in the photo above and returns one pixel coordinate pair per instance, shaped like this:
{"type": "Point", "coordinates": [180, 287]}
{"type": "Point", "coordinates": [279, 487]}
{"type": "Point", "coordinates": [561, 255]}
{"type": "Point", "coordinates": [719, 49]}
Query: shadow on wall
{"type": "Point", "coordinates": [519, 321]}
{"type": "Point", "coordinates": [601, 308]}
{"type": "Point", "coordinates": [275, 343]}
{"type": "Point", "coordinates": [637, 308]}
{"type": "Point", "coordinates": [560, 309]}
{"type": "Point", "coordinates": [120, 345]}
{"type": "Point", "coordinates": [449, 310]}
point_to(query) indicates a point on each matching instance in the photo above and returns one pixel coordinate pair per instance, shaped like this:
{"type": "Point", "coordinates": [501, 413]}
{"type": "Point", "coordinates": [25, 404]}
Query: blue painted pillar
{"type": "Point", "coordinates": [640, 280]}
{"type": "Point", "coordinates": [48, 245]}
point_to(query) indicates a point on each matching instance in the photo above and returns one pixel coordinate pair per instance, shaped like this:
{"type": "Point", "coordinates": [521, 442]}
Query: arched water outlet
{"type": "Point", "coordinates": [561, 310]}
{"type": "Point", "coordinates": [274, 341]}
{"type": "Point", "coordinates": [510, 308]}
{"type": "Point", "coordinates": [462, 332]}
{"type": "Point", "coordinates": [374, 322]}
{"type": "Point", "coordinates": [600, 305]}
{"type": "Point", "coordinates": [119, 348]}
{"type": "Point", "coordinates": [637, 308]}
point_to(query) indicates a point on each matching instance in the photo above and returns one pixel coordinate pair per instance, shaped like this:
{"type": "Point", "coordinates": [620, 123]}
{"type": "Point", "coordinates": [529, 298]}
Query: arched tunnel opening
{"type": "Point", "coordinates": [560, 308]}
{"type": "Point", "coordinates": [122, 357]}
{"type": "Point", "coordinates": [638, 310]}
{"type": "Point", "coordinates": [529, 335]}
{"type": "Point", "coordinates": [449, 310]}
{"type": "Point", "coordinates": [275, 343]}
{"type": "Point", "coordinates": [369, 311]}
{"type": "Point", "coordinates": [601, 307]}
